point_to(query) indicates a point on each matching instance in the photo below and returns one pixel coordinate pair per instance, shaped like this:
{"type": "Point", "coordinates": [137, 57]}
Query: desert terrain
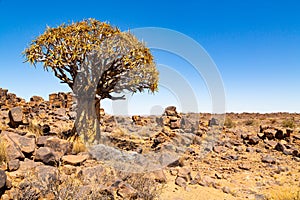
{"type": "Point", "coordinates": [233, 156]}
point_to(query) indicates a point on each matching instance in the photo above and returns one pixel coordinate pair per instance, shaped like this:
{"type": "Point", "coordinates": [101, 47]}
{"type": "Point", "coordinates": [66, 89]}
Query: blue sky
{"type": "Point", "coordinates": [255, 45]}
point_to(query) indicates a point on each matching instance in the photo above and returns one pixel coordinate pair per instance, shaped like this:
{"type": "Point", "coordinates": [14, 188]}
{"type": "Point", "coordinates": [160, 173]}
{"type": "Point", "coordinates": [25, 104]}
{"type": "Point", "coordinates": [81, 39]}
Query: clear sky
{"type": "Point", "coordinates": [255, 45]}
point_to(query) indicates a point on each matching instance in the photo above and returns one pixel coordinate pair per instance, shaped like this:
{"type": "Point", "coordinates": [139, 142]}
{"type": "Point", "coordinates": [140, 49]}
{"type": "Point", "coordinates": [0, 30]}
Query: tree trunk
{"type": "Point", "coordinates": [87, 124]}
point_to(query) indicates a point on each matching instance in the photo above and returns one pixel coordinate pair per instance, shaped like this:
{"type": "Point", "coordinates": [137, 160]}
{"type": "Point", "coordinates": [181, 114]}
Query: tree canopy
{"type": "Point", "coordinates": [126, 64]}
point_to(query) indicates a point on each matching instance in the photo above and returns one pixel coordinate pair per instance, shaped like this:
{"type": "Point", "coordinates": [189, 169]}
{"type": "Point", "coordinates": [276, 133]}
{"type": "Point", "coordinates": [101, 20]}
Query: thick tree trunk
{"type": "Point", "coordinates": [87, 124]}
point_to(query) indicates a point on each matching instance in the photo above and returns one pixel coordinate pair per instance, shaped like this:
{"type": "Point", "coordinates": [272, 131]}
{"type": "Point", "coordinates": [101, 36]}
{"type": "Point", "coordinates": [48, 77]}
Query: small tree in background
{"type": "Point", "coordinates": [96, 59]}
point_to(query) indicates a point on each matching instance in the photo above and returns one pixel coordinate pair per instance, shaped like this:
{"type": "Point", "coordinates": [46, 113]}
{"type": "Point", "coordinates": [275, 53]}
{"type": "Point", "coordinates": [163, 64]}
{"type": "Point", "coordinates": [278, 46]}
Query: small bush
{"type": "Point", "coordinates": [229, 123]}
{"type": "Point", "coordinates": [250, 122]}
{"type": "Point", "coordinates": [147, 188]}
{"type": "Point", "coordinates": [288, 123]}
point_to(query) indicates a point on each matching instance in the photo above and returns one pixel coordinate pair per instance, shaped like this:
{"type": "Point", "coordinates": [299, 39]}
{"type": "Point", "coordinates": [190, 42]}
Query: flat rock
{"type": "Point", "coordinates": [74, 159]}
{"type": "Point", "coordinates": [27, 145]}
{"type": "Point", "coordinates": [245, 166]}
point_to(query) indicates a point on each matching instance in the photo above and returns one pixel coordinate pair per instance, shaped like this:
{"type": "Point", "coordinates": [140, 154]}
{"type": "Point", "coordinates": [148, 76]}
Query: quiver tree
{"type": "Point", "coordinates": [97, 61]}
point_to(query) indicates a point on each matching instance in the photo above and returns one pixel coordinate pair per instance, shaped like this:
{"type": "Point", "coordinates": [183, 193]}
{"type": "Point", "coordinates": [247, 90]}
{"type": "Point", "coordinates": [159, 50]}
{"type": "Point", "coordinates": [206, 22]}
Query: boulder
{"type": "Point", "coordinates": [59, 146]}
{"type": "Point", "coordinates": [253, 140]}
{"type": "Point", "coordinates": [280, 147]}
{"type": "Point", "coordinates": [279, 134]}
{"type": "Point", "coordinates": [46, 155]}
{"type": "Point", "coordinates": [270, 133]}
{"type": "Point", "coordinates": [27, 145]}
{"type": "Point", "coordinates": [13, 151]}
{"type": "Point", "coordinates": [15, 117]}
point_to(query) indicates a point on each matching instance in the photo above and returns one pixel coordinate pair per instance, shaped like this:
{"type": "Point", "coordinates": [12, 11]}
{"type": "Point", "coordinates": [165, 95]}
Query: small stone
{"type": "Point", "coordinates": [159, 176]}
{"type": "Point", "coordinates": [180, 182]}
{"type": "Point", "coordinates": [280, 147]}
{"type": "Point", "coordinates": [185, 173]}
{"type": "Point", "coordinates": [261, 135]}
{"type": "Point", "coordinates": [289, 131]}
{"type": "Point", "coordinates": [196, 179]}
{"type": "Point", "coordinates": [271, 143]}
{"type": "Point", "coordinates": [126, 191]}
{"type": "Point", "coordinates": [207, 181]}
{"type": "Point", "coordinates": [239, 149]}
{"type": "Point", "coordinates": [279, 134]}
{"type": "Point", "coordinates": [270, 133]}
{"type": "Point", "coordinates": [268, 159]}
{"type": "Point", "coordinates": [244, 166]}
{"type": "Point", "coordinates": [218, 176]}
{"type": "Point", "coordinates": [13, 165]}
{"type": "Point", "coordinates": [253, 140]}
{"type": "Point", "coordinates": [249, 149]}
{"type": "Point", "coordinates": [219, 149]}
{"type": "Point", "coordinates": [46, 128]}
{"type": "Point", "coordinates": [226, 190]}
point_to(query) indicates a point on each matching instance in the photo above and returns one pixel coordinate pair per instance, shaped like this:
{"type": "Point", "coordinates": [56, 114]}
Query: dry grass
{"type": "Point", "coordinates": [3, 157]}
{"type": "Point", "coordinates": [34, 128]}
{"type": "Point", "coordinates": [68, 188]}
{"type": "Point", "coordinates": [78, 145]}
{"type": "Point", "coordinates": [284, 193]}
{"type": "Point", "coordinates": [147, 188]}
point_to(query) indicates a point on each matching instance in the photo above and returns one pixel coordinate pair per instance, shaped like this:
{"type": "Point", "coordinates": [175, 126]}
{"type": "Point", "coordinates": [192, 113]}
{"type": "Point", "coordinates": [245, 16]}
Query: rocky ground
{"type": "Point", "coordinates": [172, 156]}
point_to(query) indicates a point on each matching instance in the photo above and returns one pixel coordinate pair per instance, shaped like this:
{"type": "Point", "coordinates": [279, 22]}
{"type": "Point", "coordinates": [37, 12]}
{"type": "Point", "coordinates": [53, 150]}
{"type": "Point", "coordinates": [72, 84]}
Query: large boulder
{"type": "Point", "coordinates": [13, 151]}
{"type": "Point", "coordinates": [26, 145]}
{"type": "Point", "coordinates": [15, 117]}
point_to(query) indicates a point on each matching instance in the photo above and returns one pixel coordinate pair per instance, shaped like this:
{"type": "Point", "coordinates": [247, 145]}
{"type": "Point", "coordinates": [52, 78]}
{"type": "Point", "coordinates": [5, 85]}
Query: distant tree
{"type": "Point", "coordinates": [93, 57]}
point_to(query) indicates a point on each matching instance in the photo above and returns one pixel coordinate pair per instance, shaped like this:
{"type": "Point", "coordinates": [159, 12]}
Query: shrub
{"type": "Point", "coordinates": [147, 188]}
{"type": "Point", "coordinates": [288, 123]}
{"type": "Point", "coordinates": [250, 122]}
{"type": "Point", "coordinates": [229, 123]}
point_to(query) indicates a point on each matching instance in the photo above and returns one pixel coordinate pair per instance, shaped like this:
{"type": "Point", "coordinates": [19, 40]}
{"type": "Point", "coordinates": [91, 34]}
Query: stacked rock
{"type": "Point", "coordinates": [61, 100]}
{"type": "Point", "coordinates": [139, 120]}
{"type": "Point", "coordinates": [171, 118]}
